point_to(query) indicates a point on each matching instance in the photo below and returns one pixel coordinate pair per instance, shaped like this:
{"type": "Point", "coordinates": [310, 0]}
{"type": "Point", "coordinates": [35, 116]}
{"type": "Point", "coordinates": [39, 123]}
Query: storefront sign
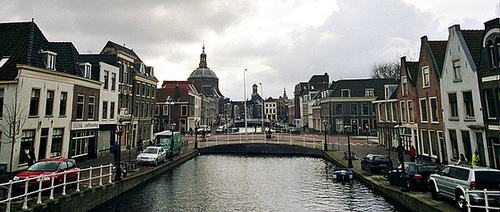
{"type": "Point", "coordinates": [84, 125]}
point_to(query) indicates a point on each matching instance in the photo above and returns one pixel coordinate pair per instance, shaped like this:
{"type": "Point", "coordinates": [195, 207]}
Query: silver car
{"type": "Point", "coordinates": [152, 155]}
{"type": "Point", "coordinates": [453, 181]}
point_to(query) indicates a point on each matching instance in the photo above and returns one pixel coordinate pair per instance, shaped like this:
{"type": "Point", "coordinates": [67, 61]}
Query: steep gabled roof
{"type": "Point", "coordinates": [412, 71]}
{"type": "Point", "coordinates": [22, 42]}
{"type": "Point", "coordinates": [438, 50]}
{"type": "Point", "coordinates": [473, 39]}
{"type": "Point", "coordinates": [121, 48]}
{"type": "Point", "coordinates": [67, 58]}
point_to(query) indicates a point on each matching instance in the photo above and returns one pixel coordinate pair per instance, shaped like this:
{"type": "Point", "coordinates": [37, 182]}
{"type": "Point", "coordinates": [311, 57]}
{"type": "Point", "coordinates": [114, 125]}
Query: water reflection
{"type": "Point", "coordinates": [249, 183]}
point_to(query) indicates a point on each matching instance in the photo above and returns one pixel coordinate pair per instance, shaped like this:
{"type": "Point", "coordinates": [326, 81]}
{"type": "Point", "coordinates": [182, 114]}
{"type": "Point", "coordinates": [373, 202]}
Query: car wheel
{"type": "Point", "coordinates": [408, 184]}
{"type": "Point", "coordinates": [461, 203]}
{"type": "Point", "coordinates": [434, 193]}
{"type": "Point", "coordinates": [156, 162]}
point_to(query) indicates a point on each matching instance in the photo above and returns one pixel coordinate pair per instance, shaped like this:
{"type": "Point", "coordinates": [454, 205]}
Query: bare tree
{"type": "Point", "coordinates": [13, 122]}
{"type": "Point", "coordinates": [386, 71]}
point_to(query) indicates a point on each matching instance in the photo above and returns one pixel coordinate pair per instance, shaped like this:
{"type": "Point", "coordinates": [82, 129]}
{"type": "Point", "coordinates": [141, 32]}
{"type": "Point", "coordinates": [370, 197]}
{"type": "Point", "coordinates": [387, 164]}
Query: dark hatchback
{"type": "Point", "coordinates": [416, 175]}
{"type": "Point", "coordinates": [376, 163]}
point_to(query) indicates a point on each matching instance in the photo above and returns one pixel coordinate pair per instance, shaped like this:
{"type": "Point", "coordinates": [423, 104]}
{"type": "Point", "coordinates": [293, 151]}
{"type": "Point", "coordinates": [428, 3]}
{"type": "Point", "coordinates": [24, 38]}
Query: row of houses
{"type": "Point", "coordinates": [61, 103]}
{"type": "Point", "coordinates": [444, 104]}
{"type": "Point", "coordinates": [448, 102]}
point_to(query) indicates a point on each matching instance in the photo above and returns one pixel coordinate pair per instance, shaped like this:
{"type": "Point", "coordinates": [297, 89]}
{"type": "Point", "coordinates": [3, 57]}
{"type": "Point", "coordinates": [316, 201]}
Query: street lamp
{"type": "Point", "coordinates": [400, 149]}
{"type": "Point", "coordinates": [196, 134]}
{"type": "Point", "coordinates": [263, 100]}
{"type": "Point", "coordinates": [325, 123]}
{"type": "Point", "coordinates": [349, 157]}
{"type": "Point", "coordinates": [119, 132]}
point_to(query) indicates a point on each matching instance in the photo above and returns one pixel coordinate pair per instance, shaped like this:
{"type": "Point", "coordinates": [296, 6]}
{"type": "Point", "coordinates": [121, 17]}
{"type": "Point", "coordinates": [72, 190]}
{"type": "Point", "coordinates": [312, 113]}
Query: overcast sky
{"type": "Point", "coordinates": [280, 42]}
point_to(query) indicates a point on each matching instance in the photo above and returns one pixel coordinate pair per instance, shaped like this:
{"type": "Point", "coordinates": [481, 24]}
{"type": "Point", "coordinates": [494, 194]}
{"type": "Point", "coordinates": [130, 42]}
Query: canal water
{"type": "Point", "coordinates": [249, 183]}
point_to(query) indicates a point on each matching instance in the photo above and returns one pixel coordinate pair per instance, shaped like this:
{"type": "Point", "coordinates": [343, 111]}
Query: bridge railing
{"type": "Point", "coordinates": [276, 138]}
{"type": "Point", "coordinates": [25, 190]}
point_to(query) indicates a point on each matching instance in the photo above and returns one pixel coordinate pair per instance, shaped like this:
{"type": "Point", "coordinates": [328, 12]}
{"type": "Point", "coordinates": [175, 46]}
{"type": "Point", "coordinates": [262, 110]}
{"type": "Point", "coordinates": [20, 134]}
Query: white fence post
{"type": "Point", "coordinates": [100, 175]}
{"type": "Point", "coordinates": [26, 186]}
{"type": "Point", "coordinates": [110, 173]}
{"type": "Point", "coordinates": [90, 177]}
{"type": "Point", "coordinates": [64, 183]}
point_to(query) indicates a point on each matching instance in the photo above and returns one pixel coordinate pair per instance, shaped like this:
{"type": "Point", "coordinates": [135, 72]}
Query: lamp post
{"type": "Point", "coordinates": [325, 147]}
{"type": "Point", "coordinates": [349, 157]}
{"type": "Point", "coordinates": [245, 102]}
{"type": "Point", "coordinates": [196, 134]}
{"type": "Point", "coordinates": [119, 132]}
{"type": "Point", "coordinates": [263, 100]}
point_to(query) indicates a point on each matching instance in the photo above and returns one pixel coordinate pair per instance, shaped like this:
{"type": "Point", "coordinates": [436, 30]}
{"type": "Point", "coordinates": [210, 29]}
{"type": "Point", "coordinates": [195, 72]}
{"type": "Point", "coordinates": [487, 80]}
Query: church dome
{"type": "Point", "coordinates": [202, 73]}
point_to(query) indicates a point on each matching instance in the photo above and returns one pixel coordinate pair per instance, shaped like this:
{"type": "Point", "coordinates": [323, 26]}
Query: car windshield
{"type": "Point", "coordinates": [150, 150]}
{"type": "Point", "coordinates": [427, 169]}
{"type": "Point", "coordinates": [45, 166]}
{"type": "Point", "coordinates": [380, 159]}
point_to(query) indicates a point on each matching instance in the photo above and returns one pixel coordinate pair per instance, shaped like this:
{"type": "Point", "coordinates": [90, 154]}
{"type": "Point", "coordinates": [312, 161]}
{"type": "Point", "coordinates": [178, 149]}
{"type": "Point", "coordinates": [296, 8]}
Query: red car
{"type": "Point", "coordinates": [47, 167]}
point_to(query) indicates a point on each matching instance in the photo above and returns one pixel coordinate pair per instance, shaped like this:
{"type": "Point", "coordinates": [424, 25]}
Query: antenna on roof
{"type": "Point", "coordinates": [32, 19]}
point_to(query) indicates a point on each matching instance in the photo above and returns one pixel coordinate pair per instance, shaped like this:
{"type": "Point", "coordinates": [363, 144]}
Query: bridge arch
{"type": "Point", "coordinates": [261, 148]}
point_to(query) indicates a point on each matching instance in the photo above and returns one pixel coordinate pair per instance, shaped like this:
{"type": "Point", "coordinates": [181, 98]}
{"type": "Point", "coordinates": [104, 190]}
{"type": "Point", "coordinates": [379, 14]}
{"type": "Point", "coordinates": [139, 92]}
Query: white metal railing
{"type": "Point", "coordinates": [276, 138]}
{"type": "Point", "coordinates": [33, 187]}
{"type": "Point", "coordinates": [486, 194]}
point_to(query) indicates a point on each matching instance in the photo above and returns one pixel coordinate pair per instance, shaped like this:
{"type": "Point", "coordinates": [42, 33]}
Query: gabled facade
{"type": "Point", "coordinates": [462, 115]}
{"type": "Point", "coordinates": [408, 105]}
{"type": "Point", "coordinates": [49, 119]}
{"type": "Point", "coordinates": [178, 106]}
{"type": "Point", "coordinates": [431, 143]}
{"type": "Point", "coordinates": [136, 92]}
{"type": "Point", "coordinates": [348, 105]}
{"type": "Point", "coordinates": [489, 83]}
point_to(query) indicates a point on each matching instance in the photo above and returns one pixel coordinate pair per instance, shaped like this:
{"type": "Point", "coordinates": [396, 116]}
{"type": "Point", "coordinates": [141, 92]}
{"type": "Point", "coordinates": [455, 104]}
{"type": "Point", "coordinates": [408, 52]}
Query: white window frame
{"type": "Point", "coordinates": [404, 84]}
{"type": "Point", "coordinates": [49, 59]}
{"type": "Point", "coordinates": [437, 110]}
{"type": "Point", "coordinates": [426, 112]}
{"type": "Point", "coordinates": [426, 78]}
{"type": "Point", "coordinates": [457, 70]}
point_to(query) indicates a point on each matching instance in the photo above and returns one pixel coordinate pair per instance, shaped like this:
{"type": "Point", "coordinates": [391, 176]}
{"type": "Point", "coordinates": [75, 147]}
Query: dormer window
{"type": "Point", "coordinates": [346, 92]}
{"type": "Point", "coordinates": [50, 59]}
{"type": "Point", "coordinates": [86, 69]}
{"type": "Point", "coordinates": [3, 60]}
{"type": "Point", "coordinates": [369, 92]}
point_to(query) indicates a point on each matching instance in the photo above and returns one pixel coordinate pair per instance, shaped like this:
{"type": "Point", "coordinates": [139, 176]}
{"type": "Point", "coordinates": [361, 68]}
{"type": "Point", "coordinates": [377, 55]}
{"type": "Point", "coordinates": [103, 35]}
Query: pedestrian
{"type": "Point", "coordinates": [462, 159]}
{"type": "Point", "coordinates": [475, 158]}
{"type": "Point", "coordinates": [190, 131]}
{"type": "Point", "coordinates": [30, 153]}
{"type": "Point", "coordinates": [116, 152]}
{"type": "Point", "coordinates": [139, 145]}
{"type": "Point", "coordinates": [412, 153]}
{"type": "Point", "coordinates": [400, 151]}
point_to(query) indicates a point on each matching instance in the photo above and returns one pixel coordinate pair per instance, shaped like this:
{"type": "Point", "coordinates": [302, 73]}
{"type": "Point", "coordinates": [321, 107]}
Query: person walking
{"type": "Point", "coordinates": [412, 154]}
{"type": "Point", "coordinates": [116, 152]}
{"type": "Point", "coordinates": [475, 158]}
{"type": "Point", "coordinates": [139, 146]}
{"type": "Point", "coordinates": [462, 159]}
{"type": "Point", "coordinates": [31, 156]}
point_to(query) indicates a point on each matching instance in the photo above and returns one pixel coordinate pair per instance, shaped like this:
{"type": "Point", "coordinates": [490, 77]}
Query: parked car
{"type": "Point", "coordinates": [416, 175]}
{"type": "Point", "coordinates": [453, 181]}
{"type": "Point", "coordinates": [294, 130]}
{"type": "Point", "coordinates": [152, 155]}
{"type": "Point", "coordinates": [376, 163]}
{"type": "Point", "coordinates": [47, 167]}
{"type": "Point", "coordinates": [221, 129]}
{"type": "Point", "coordinates": [203, 128]}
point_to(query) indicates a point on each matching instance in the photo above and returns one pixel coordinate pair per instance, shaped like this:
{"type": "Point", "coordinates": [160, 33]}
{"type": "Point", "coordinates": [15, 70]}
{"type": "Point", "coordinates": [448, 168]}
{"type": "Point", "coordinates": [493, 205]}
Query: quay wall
{"type": "Point", "coordinates": [91, 198]}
